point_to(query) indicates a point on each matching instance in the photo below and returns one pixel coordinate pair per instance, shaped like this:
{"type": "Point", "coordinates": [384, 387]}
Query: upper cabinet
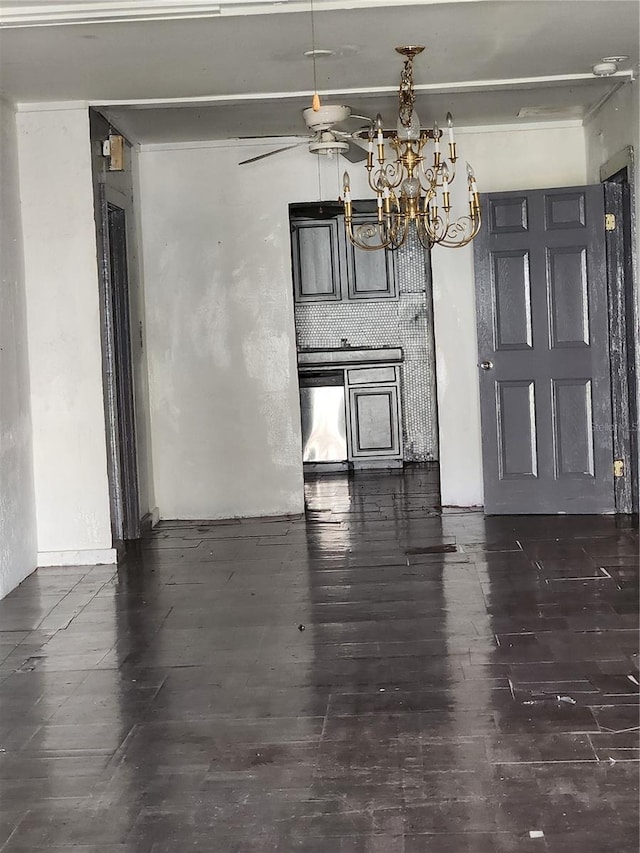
{"type": "Point", "coordinates": [328, 268]}
{"type": "Point", "coordinates": [316, 260]}
{"type": "Point", "coordinates": [370, 275]}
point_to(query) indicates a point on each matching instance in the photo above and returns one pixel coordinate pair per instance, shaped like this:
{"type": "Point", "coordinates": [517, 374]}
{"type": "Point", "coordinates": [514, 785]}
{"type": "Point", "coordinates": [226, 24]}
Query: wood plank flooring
{"type": "Point", "coordinates": [379, 677]}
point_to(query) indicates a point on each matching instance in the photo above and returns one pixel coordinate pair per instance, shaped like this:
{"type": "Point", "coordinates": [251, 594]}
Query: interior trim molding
{"type": "Point", "coordinates": [617, 162]}
{"type": "Point", "coordinates": [84, 557]}
{"type": "Point", "coordinates": [102, 12]}
{"type": "Point", "coordinates": [48, 13]}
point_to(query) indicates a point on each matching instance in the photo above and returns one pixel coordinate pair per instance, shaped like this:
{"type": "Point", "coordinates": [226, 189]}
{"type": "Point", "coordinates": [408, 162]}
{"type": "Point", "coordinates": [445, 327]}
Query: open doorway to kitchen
{"type": "Point", "coordinates": [365, 347]}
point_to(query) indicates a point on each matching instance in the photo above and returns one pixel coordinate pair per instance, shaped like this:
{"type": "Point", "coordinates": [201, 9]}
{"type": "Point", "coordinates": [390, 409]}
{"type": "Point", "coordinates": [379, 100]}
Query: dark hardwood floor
{"type": "Point", "coordinates": [377, 677]}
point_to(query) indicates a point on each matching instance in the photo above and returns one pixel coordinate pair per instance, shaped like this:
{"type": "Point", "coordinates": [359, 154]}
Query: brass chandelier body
{"type": "Point", "coordinates": [410, 191]}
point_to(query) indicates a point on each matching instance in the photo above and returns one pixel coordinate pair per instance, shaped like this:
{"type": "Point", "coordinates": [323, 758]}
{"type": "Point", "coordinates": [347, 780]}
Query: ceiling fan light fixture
{"type": "Point", "coordinates": [412, 191]}
{"type": "Point", "coordinates": [608, 65]}
{"type": "Point", "coordinates": [327, 145]}
{"type": "Point", "coordinates": [605, 69]}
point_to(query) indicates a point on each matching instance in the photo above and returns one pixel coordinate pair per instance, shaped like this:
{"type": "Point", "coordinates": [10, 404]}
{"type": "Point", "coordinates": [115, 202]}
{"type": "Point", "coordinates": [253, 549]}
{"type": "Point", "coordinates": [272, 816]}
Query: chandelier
{"type": "Point", "coordinates": [411, 191]}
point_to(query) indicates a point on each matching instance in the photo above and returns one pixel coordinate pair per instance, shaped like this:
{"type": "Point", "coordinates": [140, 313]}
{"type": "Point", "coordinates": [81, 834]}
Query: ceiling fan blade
{"type": "Point", "coordinates": [355, 154]}
{"type": "Point", "coordinates": [270, 153]}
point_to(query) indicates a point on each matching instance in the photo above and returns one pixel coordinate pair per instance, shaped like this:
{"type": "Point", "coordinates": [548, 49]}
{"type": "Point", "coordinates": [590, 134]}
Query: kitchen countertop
{"type": "Point", "coordinates": [348, 355]}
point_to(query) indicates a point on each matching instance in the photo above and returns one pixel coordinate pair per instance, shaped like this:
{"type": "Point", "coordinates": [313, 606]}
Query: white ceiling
{"type": "Point", "coordinates": [240, 74]}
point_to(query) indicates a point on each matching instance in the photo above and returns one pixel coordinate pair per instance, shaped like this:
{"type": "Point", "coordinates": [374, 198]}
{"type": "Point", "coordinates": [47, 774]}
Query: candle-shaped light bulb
{"type": "Point", "coordinates": [371, 136]}
{"type": "Point", "coordinates": [450, 126]}
{"type": "Point", "coordinates": [436, 137]}
{"type": "Point", "coordinates": [445, 177]}
{"type": "Point", "coordinates": [346, 184]}
{"type": "Point", "coordinates": [379, 128]}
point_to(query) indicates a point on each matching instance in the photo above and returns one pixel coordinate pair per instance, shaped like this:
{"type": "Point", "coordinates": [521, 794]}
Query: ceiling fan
{"type": "Point", "coordinates": [327, 139]}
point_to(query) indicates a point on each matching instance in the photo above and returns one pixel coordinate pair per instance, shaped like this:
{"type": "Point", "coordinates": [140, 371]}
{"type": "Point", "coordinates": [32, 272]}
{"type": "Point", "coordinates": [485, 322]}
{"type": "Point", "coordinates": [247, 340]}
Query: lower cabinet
{"type": "Point", "coordinates": [372, 413]}
{"type": "Point", "coordinates": [375, 421]}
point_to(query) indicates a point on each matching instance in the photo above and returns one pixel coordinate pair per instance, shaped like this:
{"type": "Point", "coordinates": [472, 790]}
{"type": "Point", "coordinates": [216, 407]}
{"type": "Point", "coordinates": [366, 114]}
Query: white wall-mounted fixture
{"type": "Point", "coordinates": [608, 65]}
{"type": "Point", "coordinates": [113, 150]}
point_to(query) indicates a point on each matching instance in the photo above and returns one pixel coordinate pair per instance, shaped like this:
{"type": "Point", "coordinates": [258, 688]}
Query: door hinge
{"type": "Point", "coordinates": [609, 222]}
{"type": "Point", "coordinates": [618, 467]}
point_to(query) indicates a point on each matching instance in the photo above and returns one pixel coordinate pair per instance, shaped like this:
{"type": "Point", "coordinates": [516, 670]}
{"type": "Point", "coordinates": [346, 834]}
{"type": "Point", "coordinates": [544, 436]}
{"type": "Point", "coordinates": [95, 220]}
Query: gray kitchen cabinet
{"type": "Point", "coordinates": [370, 275]}
{"type": "Point", "coordinates": [375, 423]}
{"type": "Point", "coordinates": [316, 261]}
{"type": "Point", "coordinates": [369, 380]}
{"type": "Point", "coordinates": [328, 268]}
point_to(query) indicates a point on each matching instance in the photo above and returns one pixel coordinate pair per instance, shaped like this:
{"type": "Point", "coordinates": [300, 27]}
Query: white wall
{"type": "Point", "coordinates": [69, 449]}
{"type": "Point", "coordinates": [503, 160]}
{"type": "Point", "coordinates": [17, 505]}
{"type": "Point", "coordinates": [220, 332]}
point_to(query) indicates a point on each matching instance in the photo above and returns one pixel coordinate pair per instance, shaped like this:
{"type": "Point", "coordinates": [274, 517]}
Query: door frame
{"type": "Point", "coordinates": [123, 491]}
{"type": "Point", "coordinates": [617, 176]}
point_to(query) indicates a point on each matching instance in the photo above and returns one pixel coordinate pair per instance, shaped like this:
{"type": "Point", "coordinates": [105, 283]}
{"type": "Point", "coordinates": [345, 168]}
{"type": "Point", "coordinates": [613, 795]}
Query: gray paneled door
{"type": "Point", "coordinates": [543, 344]}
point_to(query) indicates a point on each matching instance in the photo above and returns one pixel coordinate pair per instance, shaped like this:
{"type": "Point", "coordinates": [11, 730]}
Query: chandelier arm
{"type": "Point", "coordinates": [438, 233]}
{"type": "Point", "coordinates": [384, 176]}
{"type": "Point", "coordinates": [459, 225]}
{"type": "Point", "coordinates": [429, 173]}
{"type": "Point", "coordinates": [371, 229]}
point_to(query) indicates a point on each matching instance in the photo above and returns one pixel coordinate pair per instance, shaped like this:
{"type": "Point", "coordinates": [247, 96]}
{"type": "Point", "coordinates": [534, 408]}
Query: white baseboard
{"type": "Point", "coordinates": [88, 557]}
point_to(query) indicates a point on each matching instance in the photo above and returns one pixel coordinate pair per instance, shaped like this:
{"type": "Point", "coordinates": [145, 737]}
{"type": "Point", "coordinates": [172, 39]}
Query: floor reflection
{"type": "Point", "coordinates": [380, 675]}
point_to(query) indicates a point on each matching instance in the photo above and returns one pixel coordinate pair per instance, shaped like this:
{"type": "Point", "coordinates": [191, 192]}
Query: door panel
{"type": "Point", "coordinates": [568, 297]}
{"type": "Point", "coordinates": [544, 353]}
{"type": "Point", "coordinates": [513, 300]}
{"type": "Point", "coordinates": [374, 422]}
{"type": "Point", "coordinates": [516, 430]}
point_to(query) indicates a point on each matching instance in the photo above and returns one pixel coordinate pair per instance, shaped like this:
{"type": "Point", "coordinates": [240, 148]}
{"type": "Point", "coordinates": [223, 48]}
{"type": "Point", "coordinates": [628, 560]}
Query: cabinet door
{"type": "Point", "coordinates": [370, 275]}
{"type": "Point", "coordinates": [316, 260]}
{"type": "Point", "coordinates": [374, 422]}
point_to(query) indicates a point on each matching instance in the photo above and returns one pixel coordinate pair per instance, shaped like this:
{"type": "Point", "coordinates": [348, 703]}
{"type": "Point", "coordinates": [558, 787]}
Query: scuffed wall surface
{"type": "Point", "coordinates": [220, 334]}
{"type": "Point", "coordinates": [17, 506]}
{"type": "Point", "coordinates": [61, 279]}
